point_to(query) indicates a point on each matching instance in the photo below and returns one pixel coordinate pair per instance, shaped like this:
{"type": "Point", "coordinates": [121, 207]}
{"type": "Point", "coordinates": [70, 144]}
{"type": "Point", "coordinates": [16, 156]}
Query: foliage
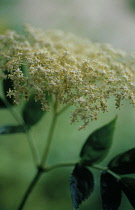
{"type": "Point", "coordinates": [81, 185]}
{"type": "Point", "coordinates": [94, 150]}
{"type": "Point", "coordinates": [32, 112]}
{"type": "Point", "coordinates": [110, 191]}
{"type": "Point", "coordinates": [68, 79]}
{"type": "Point", "coordinates": [123, 163]}
{"type": "Point", "coordinates": [98, 144]}
{"type": "Point", "coordinates": [112, 185]}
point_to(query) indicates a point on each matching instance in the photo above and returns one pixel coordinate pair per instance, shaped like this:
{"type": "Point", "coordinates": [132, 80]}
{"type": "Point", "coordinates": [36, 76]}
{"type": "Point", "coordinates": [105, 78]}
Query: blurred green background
{"type": "Point", "coordinates": [109, 21]}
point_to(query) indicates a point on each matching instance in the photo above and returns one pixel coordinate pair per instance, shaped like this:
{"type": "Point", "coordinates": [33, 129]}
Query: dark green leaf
{"type": "Point", "coordinates": [110, 191]}
{"type": "Point", "coordinates": [81, 185]}
{"type": "Point", "coordinates": [8, 129]}
{"type": "Point", "coordinates": [123, 163]}
{"type": "Point", "coordinates": [32, 112]}
{"type": "Point", "coordinates": [97, 145]}
{"type": "Point", "coordinates": [128, 187]}
{"type": "Point", "coordinates": [2, 104]}
{"type": "Point", "coordinates": [8, 84]}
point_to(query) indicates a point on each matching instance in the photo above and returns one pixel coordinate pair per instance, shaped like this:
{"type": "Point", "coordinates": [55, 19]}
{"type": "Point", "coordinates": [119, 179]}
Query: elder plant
{"type": "Point", "coordinates": [54, 70]}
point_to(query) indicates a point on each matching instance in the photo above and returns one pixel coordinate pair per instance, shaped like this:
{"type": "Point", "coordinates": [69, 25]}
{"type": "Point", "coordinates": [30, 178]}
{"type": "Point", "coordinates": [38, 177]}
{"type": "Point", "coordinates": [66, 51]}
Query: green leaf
{"type": "Point", "coordinates": [81, 185]}
{"type": "Point", "coordinates": [123, 163]}
{"type": "Point", "coordinates": [8, 84]}
{"type": "Point", "coordinates": [9, 129]}
{"type": "Point", "coordinates": [2, 104]}
{"type": "Point", "coordinates": [98, 144]}
{"type": "Point", "coordinates": [32, 112]}
{"type": "Point", "coordinates": [128, 187]}
{"type": "Point", "coordinates": [110, 189]}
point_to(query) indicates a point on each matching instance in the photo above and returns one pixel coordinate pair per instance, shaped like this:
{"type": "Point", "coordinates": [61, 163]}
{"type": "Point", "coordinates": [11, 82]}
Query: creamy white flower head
{"type": "Point", "coordinates": [78, 72]}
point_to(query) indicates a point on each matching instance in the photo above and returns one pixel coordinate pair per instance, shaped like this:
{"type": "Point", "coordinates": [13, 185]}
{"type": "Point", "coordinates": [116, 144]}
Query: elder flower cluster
{"type": "Point", "coordinates": [77, 72]}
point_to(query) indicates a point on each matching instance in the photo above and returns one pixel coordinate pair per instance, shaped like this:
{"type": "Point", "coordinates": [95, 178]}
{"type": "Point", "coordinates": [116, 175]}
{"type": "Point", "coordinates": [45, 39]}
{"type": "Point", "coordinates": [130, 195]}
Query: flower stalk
{"type": "Point", "coordinates": [49, 141]}
{"type": "Point", "coordinates": [30, 188]}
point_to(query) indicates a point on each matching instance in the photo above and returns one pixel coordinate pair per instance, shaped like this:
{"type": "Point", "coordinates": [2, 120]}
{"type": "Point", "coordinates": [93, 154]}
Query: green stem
{"type": "Point", "coordinates": [112, 173]}
{"type": "Point", "coordinates": [62, 110]}
{"type": "Point", "coordinates": [49, 140]}
{"type": "Point", "coordinates": [50, 168]}
{"type": "Point", "coordinates": [13, 112]}
{"type": "Point", "coordinates": [30, 188]}
{"type": "Point", "coordinates": [51, 132]}
{"type": "Point", "coordinates": [29, 138]}
{"type": "Point", "coordinates": [45, 155]}
{"type": "Point", "coordinates": [59, 165]}
{"type": "Point", "coordinates": [98, 167]}
{"type": "Point", "coordinates": [33, 147]}
{"type": "Point", "coordinates": [101, 168]}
